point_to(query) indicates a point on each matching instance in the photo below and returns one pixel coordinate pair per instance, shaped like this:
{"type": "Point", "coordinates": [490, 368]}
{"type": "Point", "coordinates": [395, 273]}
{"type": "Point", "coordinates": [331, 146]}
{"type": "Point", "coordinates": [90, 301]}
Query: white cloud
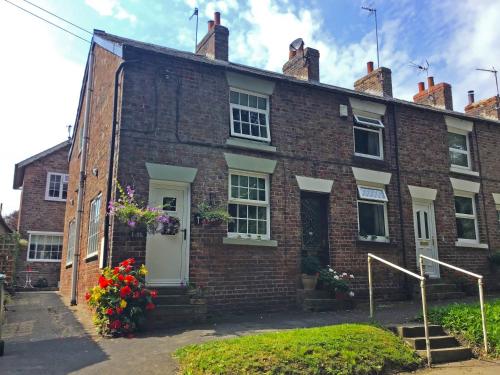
{"type": "Point", "coordinates": [40, 89]}
{"type": "Point", "coordinates": [111, 8]}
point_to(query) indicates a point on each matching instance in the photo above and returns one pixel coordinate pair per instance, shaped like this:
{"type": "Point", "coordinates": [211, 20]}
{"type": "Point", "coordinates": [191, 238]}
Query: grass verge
{"type": "Point", "coordinates": [465, 320]}
{"type": "Point", "coordinates": [341, 349]}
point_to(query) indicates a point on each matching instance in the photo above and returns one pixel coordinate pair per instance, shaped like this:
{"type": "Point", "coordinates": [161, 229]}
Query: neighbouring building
{"type": "Point", "coordinates": [43, 179]}
{"type": "Point", "coordinates": [302, 167]}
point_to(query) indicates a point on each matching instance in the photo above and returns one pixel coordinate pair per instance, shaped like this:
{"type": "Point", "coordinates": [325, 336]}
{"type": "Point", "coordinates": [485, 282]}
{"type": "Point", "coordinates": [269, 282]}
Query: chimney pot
{"type": "Point", "coordinates": [421, 86]}
{"type": "Point", "coordinates": [217, 18]}
{"type": "Point", "coordinates": [210, 25]}
{"type": "Point", "coordinates": [470, 94]}
{"type": "Point", "coordinates": [430, 81]}
{"type": "Point", "coordinates": [369, 67]}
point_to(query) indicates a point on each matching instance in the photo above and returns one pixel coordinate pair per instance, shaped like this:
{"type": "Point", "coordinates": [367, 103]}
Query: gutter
{"type": "Point", "coordinates": [107, 225]}
{"type": "Point", "coordinates": [81, 183]}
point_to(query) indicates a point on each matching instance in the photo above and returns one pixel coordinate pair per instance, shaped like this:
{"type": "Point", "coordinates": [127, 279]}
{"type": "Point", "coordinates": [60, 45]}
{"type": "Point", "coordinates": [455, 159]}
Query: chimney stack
{"type": "Point", "coordinates": [377, 82]}
{"type": "Point", "coordinates": [215, 45]}
{"type": "Point", "coordinates": [303, 63]}
{"type": "Point", "coordinates": [487, 108]}
{"type": "Point", "coordinates": [437, 95]}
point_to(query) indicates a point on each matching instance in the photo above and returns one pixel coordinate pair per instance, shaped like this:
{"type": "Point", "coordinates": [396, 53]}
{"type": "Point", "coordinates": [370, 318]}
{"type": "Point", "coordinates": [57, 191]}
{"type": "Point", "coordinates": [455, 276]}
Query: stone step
{"type": "Point", "coordinates": [175, 315]}
{"type": "Point", "coordinates": [437, 342]}
{"type": "Point", "coordinates": [412, 331]}
{"type": "Point", "coordinates": [441, 287]}
{"type": "Point", "coordinates": [437, 296]}
{"type": "Point", "coordinates": [445, 355]}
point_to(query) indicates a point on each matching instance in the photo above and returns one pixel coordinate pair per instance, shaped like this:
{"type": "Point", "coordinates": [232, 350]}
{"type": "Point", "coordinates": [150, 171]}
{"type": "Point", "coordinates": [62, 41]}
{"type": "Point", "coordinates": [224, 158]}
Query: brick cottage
{"type": "Point", "coordinates": [43, 179]}
{"type": "Point", "coordinates": [302, 167]}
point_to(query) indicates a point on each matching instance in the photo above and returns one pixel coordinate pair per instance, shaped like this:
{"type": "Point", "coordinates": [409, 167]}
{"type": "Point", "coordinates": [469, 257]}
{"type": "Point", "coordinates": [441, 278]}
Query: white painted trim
{"type": "Point", "coordinates": [318, 185]}
{"type": "Point", "coordinates": [465, 185]}
{"type": "Point", "coordinates": [385, 238]}
{"type": "Point", "coordinates": [47, 185]}
{"type": "Point", "coordinates": [380, 141]}
{"type": "Point", "coordinates": [249, 109]}
{"type": "Point", "coordinates": [496, 198]}
{"type": "Point", "coordinates": [246, 82]}
{"type": "Point", "coordinates": [462, 170]}
{"type": "Point", "coordinates": [471, 245]}
{"type": "Point", "coordinates": [433, 233]}
{"type": "Point", "coordinates": [472, 216]}
{"type": "Point", "coordinates": [420, 192]}
{"type": "Point", "coordinates": [368, 175]}
{"type": "Point", "coordinates": [42, 233]}
{"type": "Point", "coordinates": [453, 124]}
{"type": "Point", "coordinates": [367, 106]}
{"type": "Point", "coordinates": [45, 233]}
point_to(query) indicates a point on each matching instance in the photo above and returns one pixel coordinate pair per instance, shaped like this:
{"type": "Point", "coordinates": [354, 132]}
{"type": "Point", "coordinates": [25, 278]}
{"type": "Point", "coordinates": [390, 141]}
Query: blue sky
{"type": "Point", "coordinates": [42, 67]}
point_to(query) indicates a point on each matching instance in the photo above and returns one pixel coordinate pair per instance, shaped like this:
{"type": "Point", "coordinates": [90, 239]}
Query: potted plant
{"type": "Point", "coordinates": [335, 283]}
{"type": "Point", "coordinates": [310, 270]}
{"type": "Point", "coordinates": [212, 215]}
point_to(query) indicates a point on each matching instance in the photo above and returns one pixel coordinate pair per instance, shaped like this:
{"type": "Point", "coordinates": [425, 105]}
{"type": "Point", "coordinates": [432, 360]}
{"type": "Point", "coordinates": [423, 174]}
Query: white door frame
{"type": "Point", "coordinates": [433, 232]}
{"type": "Point", "coordinates": [186, 220]}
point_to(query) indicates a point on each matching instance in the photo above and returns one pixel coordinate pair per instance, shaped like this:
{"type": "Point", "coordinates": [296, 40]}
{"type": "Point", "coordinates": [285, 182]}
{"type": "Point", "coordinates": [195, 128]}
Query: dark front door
{"type": "Point", "coordinates": [314, 215]}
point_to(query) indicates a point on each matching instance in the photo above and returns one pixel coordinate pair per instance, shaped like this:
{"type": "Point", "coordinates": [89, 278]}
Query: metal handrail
{"type": "Point", "coordinates": [479, 284]}
{"type": "Point", "coordinates": [422, 288]}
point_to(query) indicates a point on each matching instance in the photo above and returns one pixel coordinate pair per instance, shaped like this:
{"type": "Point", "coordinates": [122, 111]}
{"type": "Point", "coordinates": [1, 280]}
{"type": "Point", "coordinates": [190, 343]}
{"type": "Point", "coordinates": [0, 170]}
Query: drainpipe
{"type": "Point", "coordinates": [112, 146]}
{"type": "Point", "coordinates": [400, 199]}
{"type": "Point", "coordinates": [81, 183]}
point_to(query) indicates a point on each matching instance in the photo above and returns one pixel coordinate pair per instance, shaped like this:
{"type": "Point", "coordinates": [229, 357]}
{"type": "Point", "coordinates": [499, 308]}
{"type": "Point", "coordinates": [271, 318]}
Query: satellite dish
{"type": "Point", "coordinates": [297, 44]}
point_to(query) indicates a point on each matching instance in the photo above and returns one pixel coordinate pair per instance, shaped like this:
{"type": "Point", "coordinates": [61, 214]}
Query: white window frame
{"type": "Point", "coordinates": [369, 127]}
{"type": "Point", "coordinates": [64, 177]}
{"type": "Point", "coordinates": [93, 229]}
{"type": "Point", "coordinates": [377, 202]}
{"type": "Point", "coordinates": [71, 242]}
{"type": "Point", "coordinates": [41, 233]}
{"type": "Point", "coordinates": [467, 152]}
{"type": "Point", "coordinates": [251, 202]}
{"type": "Point", "coordinates": [473, 216]}
{"type": "Point", "coordinates": [247, 108]}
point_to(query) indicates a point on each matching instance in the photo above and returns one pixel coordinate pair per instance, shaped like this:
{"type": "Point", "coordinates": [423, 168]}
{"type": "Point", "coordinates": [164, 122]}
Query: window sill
{"type": "Point", "coordinates": [91, 257]}
{"type": "Point", "coordinates": [471, 245]}
{"type": "Point", "coordinates": [54, 199]}
{"type": "Point", "coordinates": [44, 260]}
{"type": "Point", "coordinates": [249, 144]}
{"type": "Point", "coordinates": [249, 242]}
{"type": "Point", "coordinates": [376, 243]}
{"type": "Point", "coordinates": [69, 265]}
{"type": "Point", "coordinates": [464, 171]}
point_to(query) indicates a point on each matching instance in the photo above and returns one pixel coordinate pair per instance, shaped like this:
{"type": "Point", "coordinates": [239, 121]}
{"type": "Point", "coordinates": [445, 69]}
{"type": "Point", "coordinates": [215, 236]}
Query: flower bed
{"type": "Point", "coordinates": [120, 300]}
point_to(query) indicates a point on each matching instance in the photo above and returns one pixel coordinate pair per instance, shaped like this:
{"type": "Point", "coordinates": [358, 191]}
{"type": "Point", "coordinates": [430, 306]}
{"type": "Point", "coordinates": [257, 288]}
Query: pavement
{"type": "Point", "coordinates": [44, 336]}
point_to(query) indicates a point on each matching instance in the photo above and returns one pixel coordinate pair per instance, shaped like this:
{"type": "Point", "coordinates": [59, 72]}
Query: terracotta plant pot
{"type": "Point", "coordinates": [309, 281]}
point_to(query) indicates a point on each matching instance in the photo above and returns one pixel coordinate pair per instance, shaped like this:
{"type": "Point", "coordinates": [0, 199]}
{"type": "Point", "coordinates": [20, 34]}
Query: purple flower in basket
{"type": "Point", "coordinates": [164, 219]}
{"type": "Point", "coordinates": [131, 223]}
{"type": "Point", "coordinates": [130, 192]}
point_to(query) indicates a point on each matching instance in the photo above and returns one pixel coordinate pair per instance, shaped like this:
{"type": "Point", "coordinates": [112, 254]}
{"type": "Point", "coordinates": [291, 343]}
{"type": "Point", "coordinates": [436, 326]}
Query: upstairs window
{"type": "Point", "coordinates": [93, 235]}
{"type": "Point", "coordinates": [71, 242]}
{"type": "Point", "coordinates": [249, 115]}
{"type": "Point", "coordinates": [459, 150]}
{"type": "Point", "coordinates": [466, 218]}
{"type": "Point", "coordinates": [372, 214]}
{"type": "Point", "coordinates": [57, 186]}
{"type": "Point", "coordinates": [368, 137]}
{"type": "Point", "coordinates": [248, 206]}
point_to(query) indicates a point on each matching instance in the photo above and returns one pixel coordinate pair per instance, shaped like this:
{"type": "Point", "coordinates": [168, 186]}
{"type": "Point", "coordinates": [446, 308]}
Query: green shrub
{"type": "Point", "coordinates": [465, 320]}
{"type": "Point", "coordinates": [310, 265]}
{"type": "Point", "coordinates": [341, 349]}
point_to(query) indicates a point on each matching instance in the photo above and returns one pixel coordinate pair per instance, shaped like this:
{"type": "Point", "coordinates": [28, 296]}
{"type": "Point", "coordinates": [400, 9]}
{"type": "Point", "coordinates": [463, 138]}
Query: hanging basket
{"type": "Point", "coordinates": [171, 228]}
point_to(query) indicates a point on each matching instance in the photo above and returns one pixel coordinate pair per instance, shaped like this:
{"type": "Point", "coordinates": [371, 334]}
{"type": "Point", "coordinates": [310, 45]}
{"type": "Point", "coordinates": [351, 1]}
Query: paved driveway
{"type": "Point", "coordinates": [44, 336]}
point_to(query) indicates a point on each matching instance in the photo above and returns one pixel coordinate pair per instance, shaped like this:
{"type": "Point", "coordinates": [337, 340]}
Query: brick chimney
{"type": "Point", "coordinates": [303, 63]}
{"type": "Point", "coordinates": [215, 45]}
{"type": "Point", "coordinates": [487, 108]}
{"type": "Point", "coordinates": [436, 95]}
{"type": "Point", "coordinates": [377, 82]}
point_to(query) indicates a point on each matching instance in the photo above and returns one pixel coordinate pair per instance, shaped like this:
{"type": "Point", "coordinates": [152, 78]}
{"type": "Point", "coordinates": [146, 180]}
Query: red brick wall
{"type": "Point", "coordinates": [38, 214]}
{"type": "Point", "coordinates": [98, 156]}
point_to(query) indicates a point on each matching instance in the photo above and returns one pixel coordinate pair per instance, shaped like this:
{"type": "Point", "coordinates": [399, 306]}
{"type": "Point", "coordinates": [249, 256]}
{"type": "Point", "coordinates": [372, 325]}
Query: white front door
{"type": "Point", "coordinates": [167, 255]}
{"type": "Point", "coordinates": [425, 235]}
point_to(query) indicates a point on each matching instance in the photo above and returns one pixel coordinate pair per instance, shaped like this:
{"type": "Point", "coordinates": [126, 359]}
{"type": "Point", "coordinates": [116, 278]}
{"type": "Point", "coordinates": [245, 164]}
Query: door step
{"type": "Point", "coordinates": [440, 289]}
{"type": "Point", "coordinates": [318, 300]}
{"type": "Point", "coordinates": [444, 348]}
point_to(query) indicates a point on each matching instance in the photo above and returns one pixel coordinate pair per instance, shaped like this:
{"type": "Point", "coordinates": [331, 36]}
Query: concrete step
{"type": "Point", "coordinates": [412, 331]}
{"type": "Point", "coordinates": [437, 342]}
{"type": "Point", "coordinates": [176, 315]}
{"type": "Point", "coordinates": [441, 287]}
{"type": "Point", "coordinates": [445, 355]}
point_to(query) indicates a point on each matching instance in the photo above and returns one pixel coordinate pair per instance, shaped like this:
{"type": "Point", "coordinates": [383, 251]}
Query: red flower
{"type": "Point", "coordinates": [119, 310]}
{"type": "Point", "coordinates": [124, 263]}
{"type": "Point", "coordinates": [153, 293]}
{"type": "Point", "coordinates": [136, 295]}
{"type": "Point", "coordinates": [150, 306]}
{"type": "Point", "coordinates": [115, 324]}
{"type": "Point", "coordinates": [129, 279]}
{"type": "Point", "coordinates": [109, 311]}
{"type": "Point", "coordinates": [87, 296]}
{"type": "Point", "coordinates": [103, 282]}
{"type": "Point", "coordinates": [125, 291]}
{"type": "Point", "coordinates": [116, 270]}
{"type": "Point", "coordinates": [144, 292]}
{"type": "Point", "coordinates": [121, 277]}
{"type": "Point", "coordinates": [128, 268]}
{"type": "Point", "coordinates": [131, 260]}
